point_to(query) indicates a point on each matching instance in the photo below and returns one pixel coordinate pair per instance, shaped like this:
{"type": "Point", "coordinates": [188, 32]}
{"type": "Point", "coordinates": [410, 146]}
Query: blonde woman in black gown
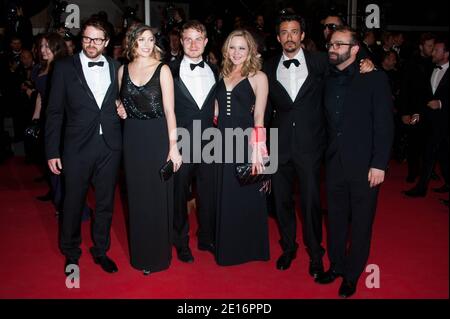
{"type": "Point", "coordinates": [242, 222]}
{"type": "Point", "coordinates": [147, 105]}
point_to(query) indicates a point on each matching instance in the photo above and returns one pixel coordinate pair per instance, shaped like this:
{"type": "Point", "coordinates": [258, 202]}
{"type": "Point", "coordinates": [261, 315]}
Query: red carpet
{"type": "Point", "coordinates": [410, 245]}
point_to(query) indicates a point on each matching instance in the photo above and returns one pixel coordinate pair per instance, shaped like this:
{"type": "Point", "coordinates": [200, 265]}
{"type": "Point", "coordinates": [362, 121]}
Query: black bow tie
{"type": "Point", "coordinates": [438, 67]}
{"type": "Point", "coordinates": [287, 63]}
{"type": "Point", "coordinates": [200, 64]}
{"type": "Point", "coordinates": [91, 64]}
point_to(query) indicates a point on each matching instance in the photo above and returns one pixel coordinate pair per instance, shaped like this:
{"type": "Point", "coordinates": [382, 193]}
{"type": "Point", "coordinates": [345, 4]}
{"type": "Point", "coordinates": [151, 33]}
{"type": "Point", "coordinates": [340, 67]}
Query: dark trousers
{"type": "Point", "coordinates": [436, 149]}
{"type": "Point", "coordinates": [349, 199]}
{"type": "Point", "coordinates": [58, 192]}
{"type": "Point", "coordinates": [415, 149]}
{"type": "Point", "coordinates": [307, 168]}
{"type": "Point", "coordinates": [96, 164]}
{"type": "Point", "coordinates": [204, 175]}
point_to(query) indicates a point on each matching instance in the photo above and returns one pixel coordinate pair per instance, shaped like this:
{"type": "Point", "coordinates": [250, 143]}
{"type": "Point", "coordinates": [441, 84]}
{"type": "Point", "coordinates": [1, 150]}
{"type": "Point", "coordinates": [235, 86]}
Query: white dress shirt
{"type": "Point", "coordinates": [437, 76]}
{"type": "Point", "coordinates": [293, 78]}
{"type": "Point", "coordinates": [199, 81]}
{"type": "Point", "coordinates": [97, 77]}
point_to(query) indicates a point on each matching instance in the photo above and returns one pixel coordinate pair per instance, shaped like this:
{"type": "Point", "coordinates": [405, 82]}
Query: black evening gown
{"type": "Point", "coordinates": [145, 147]}
{"type": "Point", "coordinates": [242, 220]}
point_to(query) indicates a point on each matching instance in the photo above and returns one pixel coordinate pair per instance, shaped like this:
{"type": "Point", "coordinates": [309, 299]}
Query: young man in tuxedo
{"type": "Point", "coordinates": [194, 84]}
{"type": "Point", "coordinates": [295, 96]}
{"type": "Point", "coordinates": [360, 127]}
{"type": "Point", "coordinates": [83, 140]}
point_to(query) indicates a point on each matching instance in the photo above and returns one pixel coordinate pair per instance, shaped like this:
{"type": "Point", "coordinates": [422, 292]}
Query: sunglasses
{"type": "Point", "coordinates": [330, 26]}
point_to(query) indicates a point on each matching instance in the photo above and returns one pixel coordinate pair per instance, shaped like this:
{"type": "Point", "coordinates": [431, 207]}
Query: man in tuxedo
{"type": "Point", "coordinates": [360, 126]}
{"type": "Point", "coordinates": [435, 121]}
{"type": "Point", "coordinates": [175, 51]}
{"type": "Point", "coordinates": [83, 140]}
{"type": "Point", "coordinates": [414, 94]}
{"type": "Point", "coordinates": [369, 44]}
{"type": "Point", "coordinates": [295, 95]}
{"type": "Point", "coordinates": [194, 84]}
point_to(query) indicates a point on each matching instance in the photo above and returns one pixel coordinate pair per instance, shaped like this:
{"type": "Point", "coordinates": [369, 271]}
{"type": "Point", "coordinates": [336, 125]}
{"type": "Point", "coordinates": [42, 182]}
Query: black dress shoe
{"type": "Point", "coordinates": [316, 268]}
{"type": "Point", "coordinates": [441, 190]}
{"type": "Point", "coordinates": [285, 260]}
{"type": "Point", "coordinates": [69, 261]}
{"type": "Point", "coordinates": [106, 263]}
{"type": "Point", "coordinates": [327, 277]}
{"type": "Point", "coordinates": [434, 176]}
{"type": "Point", "coordinates": [415, 192]}
{"type": "Point", "coordinates": [45, 198]}
{"type": "Point", "coordinates": [347, 289]}
{"type": "Point", "coordinates": [39, 179]}
{"type": "Point", "coordinates": [410, 179]}
{"type": "Point", "coordinates": [207, 247]}
{"type": "Point", "coordinates": [185, 255]}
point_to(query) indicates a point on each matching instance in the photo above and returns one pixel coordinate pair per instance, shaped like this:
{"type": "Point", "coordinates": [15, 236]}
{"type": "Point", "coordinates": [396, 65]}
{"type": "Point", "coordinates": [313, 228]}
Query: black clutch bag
{"type": "Point", "coordinates": [166, 171]}
{"type": "Point", "coordinates": [245, 177]}
{"type": "Point", "coordinates": [33, 130]}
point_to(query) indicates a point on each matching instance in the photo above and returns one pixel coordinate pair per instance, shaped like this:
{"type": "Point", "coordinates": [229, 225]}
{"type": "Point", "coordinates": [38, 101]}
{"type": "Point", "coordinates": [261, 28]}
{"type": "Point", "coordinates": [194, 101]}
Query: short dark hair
{"type": "Point", "coordinates": [427, 36]}
{"type": "Point", "coordinates": [336, 15]}
{"type": "Point", "coordinates": [346, 29]}
{"type": "Point", "coordinates": [96, 22]}
{"type": "Point", "coordinates": [444, 42]}
{"type": "Point", "coordinates": [194, 24]}
{"type": "Point", "coordinates": [388, 53]}
{"type": "Point", "coordinates": [367, 32]}
{"type": "Point", "coordinates": [290, 16]}
{"type": "Point", "coordinates": [14, 37]}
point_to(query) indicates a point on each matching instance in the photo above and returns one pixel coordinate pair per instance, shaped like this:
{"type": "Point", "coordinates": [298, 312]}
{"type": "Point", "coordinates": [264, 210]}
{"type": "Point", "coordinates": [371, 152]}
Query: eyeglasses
{"type": "Point", "coordinates": [330, 26]}
{"type": "Point", "coordinates": [337, 45]}
{"type": "Point", "coordinates": [96, 41]}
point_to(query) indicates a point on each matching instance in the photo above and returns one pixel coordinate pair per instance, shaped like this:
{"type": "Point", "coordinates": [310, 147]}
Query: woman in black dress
{"type": "Point", "coordinates": [242, 221]}
{"type": "Point", "coordinates": [148, 107]}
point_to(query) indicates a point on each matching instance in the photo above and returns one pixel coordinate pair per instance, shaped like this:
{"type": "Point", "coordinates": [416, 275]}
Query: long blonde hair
{"type": "Point", "coordinates": [253, 63]}
{"type": "Point", "coordinates": [133, 33]}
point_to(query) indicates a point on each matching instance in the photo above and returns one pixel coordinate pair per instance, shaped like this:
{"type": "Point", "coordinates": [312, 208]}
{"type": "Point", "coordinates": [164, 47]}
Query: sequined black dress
{"type": "Point", "coordinates": [150, 201]}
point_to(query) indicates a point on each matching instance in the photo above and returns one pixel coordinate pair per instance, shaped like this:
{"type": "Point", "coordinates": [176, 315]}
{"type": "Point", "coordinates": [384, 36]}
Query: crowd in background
{"type": "Point", "coordinates": [26, 64]}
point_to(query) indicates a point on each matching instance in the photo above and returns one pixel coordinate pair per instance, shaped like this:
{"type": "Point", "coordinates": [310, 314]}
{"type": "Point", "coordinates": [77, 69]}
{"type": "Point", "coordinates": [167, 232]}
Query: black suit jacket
{"type": "Point", "coordinates": [72, 102]}
{"type": "Point", "coordinates": [186, 109]}
{"type": "Point", "coordinates": [438, 119]}
{"type": "Point", "coordinates": [300, 123]}
{"type": "Point", "coordinates": [367, 130]}
{"type": "Point", "coordinates": [415, 85]}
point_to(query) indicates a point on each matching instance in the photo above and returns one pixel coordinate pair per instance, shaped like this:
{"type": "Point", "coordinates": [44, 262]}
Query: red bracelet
{"type": "Point", "coordinates": [257, 136]}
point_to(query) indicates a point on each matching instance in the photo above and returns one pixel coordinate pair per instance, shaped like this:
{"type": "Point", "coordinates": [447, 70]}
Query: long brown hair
{"type": "Point", "coordinates": [133, 33]}
{"type": "Point", "coordinates": [253, 63]}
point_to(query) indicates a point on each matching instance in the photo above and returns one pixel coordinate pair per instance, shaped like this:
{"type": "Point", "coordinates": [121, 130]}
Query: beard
{"type": "Point", "coordinates": [92, 55]}
{"type": "Point", "coordinates": [290, 48]}
{"type": "Point", "coordinates": [336, 59]}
